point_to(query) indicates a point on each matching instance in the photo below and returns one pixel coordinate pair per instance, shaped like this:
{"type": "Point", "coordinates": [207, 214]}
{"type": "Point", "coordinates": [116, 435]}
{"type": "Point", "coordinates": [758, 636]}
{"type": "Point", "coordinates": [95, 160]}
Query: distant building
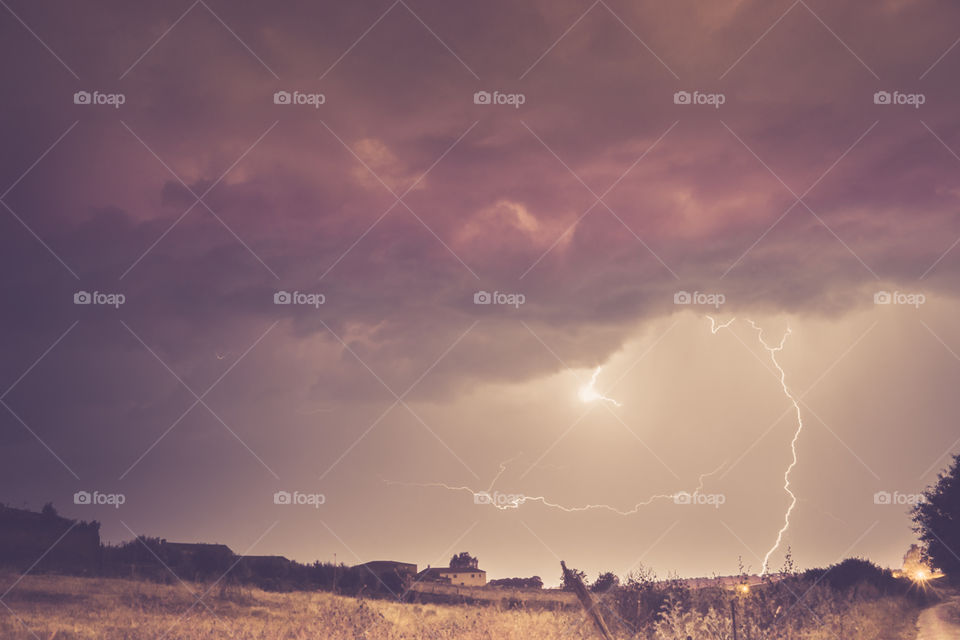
{"type": "Point", "coordinates": [385, 575]}
{"type": "Point", "coordinates": [459, 576]}
{"type": "Point", "coordinates": [198, 560]}
{"type": "Point", "coordinates": [52, 542]}
{"type": "Point", "coordinates": [198, 549]}
{"type": "Point", "coordinates": [379, 567]}
{"type": "Point", "coordinates": [277, 565]}
{"type": "Point", "coordinates": [265, 571]}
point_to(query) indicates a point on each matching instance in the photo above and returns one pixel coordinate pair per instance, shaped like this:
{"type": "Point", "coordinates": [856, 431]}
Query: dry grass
{"type": "Point", "coordinates": [67, 608]}
{"type": "Point", "coordinates": [891, 618]}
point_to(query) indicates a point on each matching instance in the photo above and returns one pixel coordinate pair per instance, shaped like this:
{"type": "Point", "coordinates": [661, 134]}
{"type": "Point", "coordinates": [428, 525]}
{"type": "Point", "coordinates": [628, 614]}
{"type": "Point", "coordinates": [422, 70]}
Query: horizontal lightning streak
{"type": "Point", "coordinates": [514, 501]}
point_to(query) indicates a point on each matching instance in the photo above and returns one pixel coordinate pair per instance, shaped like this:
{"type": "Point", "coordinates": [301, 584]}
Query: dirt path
{"type": "Point", "coordinates": [940, 622]}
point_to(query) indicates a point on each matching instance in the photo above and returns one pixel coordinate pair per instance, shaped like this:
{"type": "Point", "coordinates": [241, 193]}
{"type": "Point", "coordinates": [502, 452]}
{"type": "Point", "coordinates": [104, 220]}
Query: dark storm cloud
{"type": "Point", "coordinates": [299, 193]}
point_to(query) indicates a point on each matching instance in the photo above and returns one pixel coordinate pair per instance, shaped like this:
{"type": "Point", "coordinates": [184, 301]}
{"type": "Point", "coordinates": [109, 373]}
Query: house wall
{"type": "Point", "coordinates": [467, 578]}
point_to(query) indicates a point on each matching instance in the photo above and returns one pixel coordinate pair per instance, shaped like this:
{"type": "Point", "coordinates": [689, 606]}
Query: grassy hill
{"type": "Point", "coordinates": [51, 607]}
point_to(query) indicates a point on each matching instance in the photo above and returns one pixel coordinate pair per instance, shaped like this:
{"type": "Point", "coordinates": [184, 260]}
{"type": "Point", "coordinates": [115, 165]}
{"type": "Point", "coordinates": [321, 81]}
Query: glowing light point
{"type": "Point", "coordinates": [588, 392]}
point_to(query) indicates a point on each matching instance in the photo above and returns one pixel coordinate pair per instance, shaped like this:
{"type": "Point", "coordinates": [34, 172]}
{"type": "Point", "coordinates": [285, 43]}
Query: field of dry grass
{"type": "Point", "coordinates": [67, 608]}
{"type": "Point", "coordinates": [71, 608]}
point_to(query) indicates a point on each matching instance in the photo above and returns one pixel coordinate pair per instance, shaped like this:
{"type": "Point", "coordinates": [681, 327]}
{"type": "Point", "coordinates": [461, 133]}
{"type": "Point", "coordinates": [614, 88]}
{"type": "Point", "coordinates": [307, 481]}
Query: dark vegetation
{"type": "Point", "coordinates": [533, 582]}
{"type": "Point", "coordinates": [937, 522]}
{"type": "Point", "coordinates": [157, 560]}
{"type": "Point", "coordinates": [845, 598]}
{"type": "Point", "coordinates": [72, 547]}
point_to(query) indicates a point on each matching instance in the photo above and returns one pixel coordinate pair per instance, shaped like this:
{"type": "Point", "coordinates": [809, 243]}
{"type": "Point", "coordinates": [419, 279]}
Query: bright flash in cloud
{"type": "Point", "coordinates": [588, 392]}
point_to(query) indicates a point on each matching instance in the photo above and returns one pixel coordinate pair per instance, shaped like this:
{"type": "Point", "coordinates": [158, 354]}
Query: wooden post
{"type": "Point", "coordinates": [733, 617]}
{"type": "Point", "coordinates": [589, 604]}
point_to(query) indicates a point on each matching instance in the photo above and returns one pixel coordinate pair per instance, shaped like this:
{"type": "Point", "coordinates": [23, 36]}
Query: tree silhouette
{"type": "Point", "coordinates": [567, 578]}
{"type": "Point", "coordinates": [605, 582]}
{"type": "Point", "coordinates": [463, 560]}
{"type": "Point", "coordinates": [937, 521]}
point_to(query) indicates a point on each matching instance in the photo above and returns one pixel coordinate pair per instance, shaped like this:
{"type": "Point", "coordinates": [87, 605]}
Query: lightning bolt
{"type": "Point", "coordinates": [793, 443]}
{"type": "Point", "coordinates": [714, 327]}
{"type": "Point", "coordinates": [514, 501]}
{"type": "Point", "coordinates": [773, 351]}
{"type": "Point", "coordinates": [588, 392]}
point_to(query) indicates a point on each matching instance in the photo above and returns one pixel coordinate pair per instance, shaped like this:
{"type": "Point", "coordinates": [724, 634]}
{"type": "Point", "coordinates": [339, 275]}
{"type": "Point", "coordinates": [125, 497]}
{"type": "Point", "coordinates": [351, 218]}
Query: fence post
{"type": "Point", "coordinates": [589, 604]}
{"type": "Point", "coordinates": [733, 617]}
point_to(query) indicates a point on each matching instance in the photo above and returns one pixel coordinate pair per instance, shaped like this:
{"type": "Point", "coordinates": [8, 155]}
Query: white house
{"type": "Point", "coordinates": [459, 576]}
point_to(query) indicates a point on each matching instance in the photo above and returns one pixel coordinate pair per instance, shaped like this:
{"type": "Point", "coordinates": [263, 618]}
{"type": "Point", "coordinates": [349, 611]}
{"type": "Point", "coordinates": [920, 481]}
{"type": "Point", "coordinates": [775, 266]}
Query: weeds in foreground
{"type": "Point", "coordinates": [791, 607]}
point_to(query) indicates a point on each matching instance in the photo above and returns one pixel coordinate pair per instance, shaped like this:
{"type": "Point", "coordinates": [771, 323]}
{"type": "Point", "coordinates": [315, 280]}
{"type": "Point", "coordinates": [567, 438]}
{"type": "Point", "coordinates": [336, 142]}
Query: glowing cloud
{"type": "Point", "coordinates": [588, 392]}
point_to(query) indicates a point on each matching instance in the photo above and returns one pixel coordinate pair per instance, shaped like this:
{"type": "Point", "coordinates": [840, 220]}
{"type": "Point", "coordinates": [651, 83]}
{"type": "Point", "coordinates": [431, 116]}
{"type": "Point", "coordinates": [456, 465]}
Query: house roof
{"type": "Point", "coordinates": [446, 570]}
{"type": "Point", "coordinates": [386, 564]}
{"type": "Point", "coordinates": [199, 546]}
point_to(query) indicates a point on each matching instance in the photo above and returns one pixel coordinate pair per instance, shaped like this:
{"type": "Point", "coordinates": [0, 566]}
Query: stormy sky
{"type": "Point", "coordinates": [789, 161]}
